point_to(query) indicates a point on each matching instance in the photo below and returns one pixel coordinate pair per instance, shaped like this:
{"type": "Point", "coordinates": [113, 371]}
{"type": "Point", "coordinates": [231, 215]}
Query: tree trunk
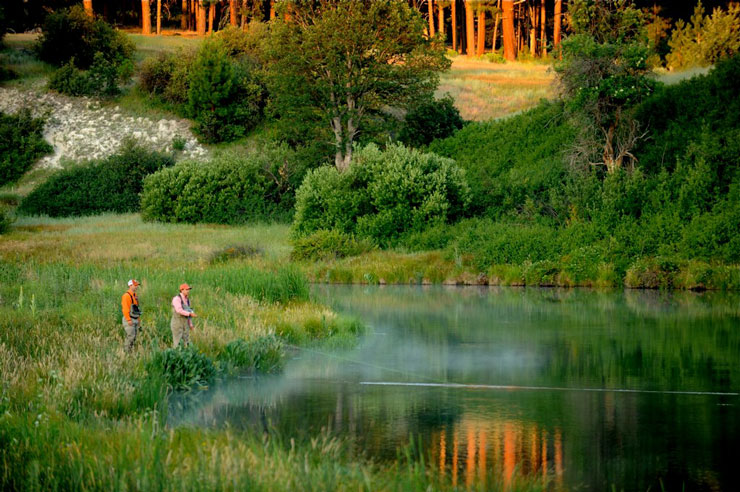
{"type": "Point", "coordinates": [88, 7]}
{"type": "Point", "coordinates": [532, 30]}
{"type": "Point", "coordinates": [232, 12]}
{"type": "Point", "coordinates": [430, 11]}
{"type": "Point", "coordinates": [543, 32]}
{"type": "Point", "coordinates": [453, 6]}
{"type": "Point", "coordinates": [495, 26]}
{"type": "Point", "coordinates": [481, 32]}
{"type": "Point", "coordinates": [159, 17]}
{"type": "Point", "coordinates": [272, 9]}
{"type": "Point", "coordinates": [244, 15]}
{"type": "Point", "coordinates": [556, 28]}
{"type": "Point", "coordinates": [508, 27]}
{"type": "Point", "coordinates": [185, 16]}
{"type": "Point", "coordinates": [470, 27]}
{"type": "Point", "coordinates": [211, 17]}
{"type": "Point", "coordinates": [441, 19]}
{"type": "Point", "coordinates": [146, 18]}
{"type": "Point", "coordinates": [200, 18]}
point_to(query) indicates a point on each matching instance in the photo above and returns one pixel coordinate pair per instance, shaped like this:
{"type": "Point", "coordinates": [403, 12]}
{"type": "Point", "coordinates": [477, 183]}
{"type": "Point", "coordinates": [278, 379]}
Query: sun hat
{"type": "Point", "coordinates": [184, 286]}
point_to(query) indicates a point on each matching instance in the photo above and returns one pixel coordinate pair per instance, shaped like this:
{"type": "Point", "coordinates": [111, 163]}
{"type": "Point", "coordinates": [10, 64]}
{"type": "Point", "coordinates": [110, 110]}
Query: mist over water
{"type": "Point", "coordinates": [549, 344]}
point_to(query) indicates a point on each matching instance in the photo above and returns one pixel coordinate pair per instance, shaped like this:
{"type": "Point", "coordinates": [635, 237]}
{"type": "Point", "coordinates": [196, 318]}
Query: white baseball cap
{"type": "Point", "coordinates": [133, 281]}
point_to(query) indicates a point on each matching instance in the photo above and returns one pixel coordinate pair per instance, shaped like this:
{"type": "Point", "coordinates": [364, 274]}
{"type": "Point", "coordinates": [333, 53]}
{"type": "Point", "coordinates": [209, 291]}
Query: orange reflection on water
{"type": "Point", "coordinates": [503, 450]}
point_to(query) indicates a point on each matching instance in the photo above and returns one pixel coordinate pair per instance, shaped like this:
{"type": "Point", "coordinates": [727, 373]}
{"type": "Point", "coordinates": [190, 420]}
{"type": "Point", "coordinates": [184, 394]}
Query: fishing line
{"type": "Point", "coordinates": [362, 363]}
{"type": "Point", "coordinates": [545, 388]}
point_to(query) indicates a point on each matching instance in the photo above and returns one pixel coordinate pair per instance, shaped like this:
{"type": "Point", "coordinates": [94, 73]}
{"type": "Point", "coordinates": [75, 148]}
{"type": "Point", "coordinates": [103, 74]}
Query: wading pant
{"type": "Point", "coordinates": [131, 331]}
{"type": "Point", "coordinates": [180, 330]}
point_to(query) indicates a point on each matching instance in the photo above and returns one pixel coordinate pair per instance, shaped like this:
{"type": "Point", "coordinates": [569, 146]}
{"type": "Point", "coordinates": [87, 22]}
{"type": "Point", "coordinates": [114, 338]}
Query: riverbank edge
{"type": "Point", "coordinates": [434, 268]}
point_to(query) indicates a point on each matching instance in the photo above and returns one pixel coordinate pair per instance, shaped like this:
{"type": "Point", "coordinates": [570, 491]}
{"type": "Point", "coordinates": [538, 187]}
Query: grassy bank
{"type": "Point", "coordinates": [78, 413]}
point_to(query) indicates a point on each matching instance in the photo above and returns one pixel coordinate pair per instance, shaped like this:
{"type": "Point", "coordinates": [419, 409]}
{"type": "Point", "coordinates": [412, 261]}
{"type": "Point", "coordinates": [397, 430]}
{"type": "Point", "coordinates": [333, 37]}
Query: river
{"type": "Point", "coordinates": [634, 390]}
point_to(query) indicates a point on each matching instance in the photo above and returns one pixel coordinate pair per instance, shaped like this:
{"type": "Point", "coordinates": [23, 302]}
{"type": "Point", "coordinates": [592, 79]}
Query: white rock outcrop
{"type": "Point", "coordinates": [79, 128]}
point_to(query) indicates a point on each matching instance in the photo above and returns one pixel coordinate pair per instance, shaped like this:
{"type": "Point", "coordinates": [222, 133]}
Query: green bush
{"type": "Point", "coordinates": [3, 26]}
{"type": "Point", "coordinates": [167, 77]}
{"type": "Point", "coordinates": [94, 57]}
{"type": "Point", "coordinates": [325, 244]}
{"type": "Point", "coordinates": [263, 355]}
{"type": "Point", "coordinates": [705, 39]}
{"type": "Point", "coordinates": [497, 243]}
{"type": "Point", "coordinates": [109, 185]}
{"type": "Point", "coordinates": [72, 34]}
{"type": "Point", "coordinates": [156, 72]}
{"type": "Point", "coordinates": [224, 98]}
{"type": "Point", "coordinates": [430, 120]}
{"type": "Point", "coordinates": [183, 368]}
{"type": "Point", "coordinates": [5, 221]}
{"type": "Point", "coordinates": [230, 189]}
{"type": "Point", "coordinates": [511, 160]}
{"type": "Point", "coordinates": [21, 144]}
{"type": "Point", "coordinates": [382, 195]}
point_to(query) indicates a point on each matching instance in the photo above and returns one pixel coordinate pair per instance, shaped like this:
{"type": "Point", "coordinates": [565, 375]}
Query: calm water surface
{"type": "Point", "coordinates": [621, 389]}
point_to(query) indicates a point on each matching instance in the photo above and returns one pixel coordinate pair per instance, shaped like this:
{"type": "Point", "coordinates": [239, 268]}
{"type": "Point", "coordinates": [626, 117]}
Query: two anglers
{"type": "Point", "coordinates": [180, 324]}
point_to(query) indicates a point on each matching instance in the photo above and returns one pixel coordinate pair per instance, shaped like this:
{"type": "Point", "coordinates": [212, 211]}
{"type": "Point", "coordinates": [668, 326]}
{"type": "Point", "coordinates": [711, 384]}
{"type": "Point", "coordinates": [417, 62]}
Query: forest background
{"type": "Point", "coordinates": [323, 167]}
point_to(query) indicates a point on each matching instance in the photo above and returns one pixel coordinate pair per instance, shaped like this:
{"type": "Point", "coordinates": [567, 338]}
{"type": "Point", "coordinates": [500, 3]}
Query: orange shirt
{"type": "Point", "coordinates": [126, 303]}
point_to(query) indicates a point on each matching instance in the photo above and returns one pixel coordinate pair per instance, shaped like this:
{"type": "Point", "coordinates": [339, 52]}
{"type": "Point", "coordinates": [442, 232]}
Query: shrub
{"type": "Point", "coordinates": [156, 72]}
{"type": "Point", "coordinates": [383, 194]}
{"type": "Point", "coordinates": [112, 184]}
{"type": "Point", "coordinates": [263, 355]}
{"type": "Point", "coordinates": [494, 57]}
{"type": "Point", "coordinates": [429, 121]}
{"type": "Point", "coordinates": [224, 98]}
{"type": "Point", "coordinates": [324, 244]}
{"type": "Point", "coordinates": [5, 221]}
{"type": "Point", "coordinates": [21, 144]}
{"type": "Point", "coordinates": [71, 34]}
{"type": "Point", "coordinates": [167, 76]}
{"type": "Point", "coordinates": [183, 368]}
{"type": "Point", "coordinates": [3, 26]}
{"type": "Point", "coordinates": [94, 57]}
{"type": "Point", "coordinates": [507, 161]}
{"type": "Point", "coordinates": [706, 39]}
{"type": "Point", "coordinates": [230, 189]}
{"type": "Point", "coordinates": [496, 243]}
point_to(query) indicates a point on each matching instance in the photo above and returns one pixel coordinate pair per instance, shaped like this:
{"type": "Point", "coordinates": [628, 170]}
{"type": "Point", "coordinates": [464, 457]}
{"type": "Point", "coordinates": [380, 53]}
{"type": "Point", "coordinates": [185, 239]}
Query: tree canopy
{"type": "Point", "coordinates": [347, 63]}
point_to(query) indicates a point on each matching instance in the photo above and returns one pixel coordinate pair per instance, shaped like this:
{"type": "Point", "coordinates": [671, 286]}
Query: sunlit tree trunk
{"type": "Point", "coordinates": [159, 17]}
{"type": "Point", "coordinates": [200, 18]}
{"type": "Point", "coordinates": [146, 18]}
{"type": "Point", "coordinates": [88, 4]}
{"type": "Point", "coordinates": [543, 32]}
{"type": "Point", "coordinates": [481, 31]}
{"type": "Point", "coordinates": [507, 18]}
{"type": "Point", "coordinates": [470, 27]}
{"type": "Point", "coordinates": [272, 9]}
{"type": "Point", "coordinates": [532, 29]}
{"type": "Point", "coordinates": [232, 12]}
{"type": "Point", "coordinates": [453, 7]}
{"type": "Point", "coordinates": [556, 29]}
{"type": "Point", "coordinates": [430, 12]}
{"type": "Point", "coordinates": [185, 16]}
{"type": "Point", "coordinates": [211, 17]}
{"type": "Point", "coordinates": [495, 26]}
{"type": "Point", "coordinates": [244, 15]}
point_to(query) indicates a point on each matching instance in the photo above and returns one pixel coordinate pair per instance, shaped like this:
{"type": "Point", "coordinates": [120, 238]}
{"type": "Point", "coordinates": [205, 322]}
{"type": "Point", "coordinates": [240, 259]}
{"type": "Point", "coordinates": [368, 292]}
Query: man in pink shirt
{"type": "Point", "coordinates": [182, 316]}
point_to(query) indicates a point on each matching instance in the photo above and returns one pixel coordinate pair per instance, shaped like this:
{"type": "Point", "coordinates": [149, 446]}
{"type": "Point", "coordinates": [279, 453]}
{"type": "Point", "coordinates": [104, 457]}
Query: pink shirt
{"type": "Point", "coordinates": [177, 304]}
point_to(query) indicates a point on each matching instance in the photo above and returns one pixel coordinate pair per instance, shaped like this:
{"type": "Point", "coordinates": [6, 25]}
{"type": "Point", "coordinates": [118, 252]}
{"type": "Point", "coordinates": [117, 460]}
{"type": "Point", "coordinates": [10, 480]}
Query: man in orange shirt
{"type": "Point", "coordinates": [131, 314]}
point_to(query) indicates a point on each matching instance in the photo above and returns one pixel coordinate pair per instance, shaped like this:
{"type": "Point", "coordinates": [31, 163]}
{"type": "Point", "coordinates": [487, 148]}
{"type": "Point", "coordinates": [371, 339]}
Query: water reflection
{"type": "Point", "coordinates": [535, 338]}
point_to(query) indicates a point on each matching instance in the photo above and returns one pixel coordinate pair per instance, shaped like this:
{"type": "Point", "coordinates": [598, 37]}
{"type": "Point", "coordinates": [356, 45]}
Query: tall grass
{"type": "Point", "coordinates": [484, 90]}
